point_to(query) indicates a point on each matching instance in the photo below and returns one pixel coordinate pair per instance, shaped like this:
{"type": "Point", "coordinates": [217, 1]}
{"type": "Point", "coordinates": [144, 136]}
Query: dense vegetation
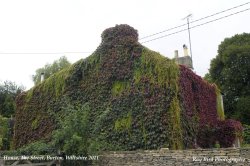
{"type": "Point", "coordinates": [50, 69]}
{"type": "Point", "coordinates": [231, 72]}
{"type": "Point", "coordinates": [8, 92]}
{"type": "Point", "coordinates": [122, 97]}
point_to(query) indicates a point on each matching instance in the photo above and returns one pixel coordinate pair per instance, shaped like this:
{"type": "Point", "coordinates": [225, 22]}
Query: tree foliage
{"type": "Point", "coordinates": [8, 92]}
{"type": "Point", "coordinates": [50, 69]}
{"type": "Point", "coordinates": [231, 72]}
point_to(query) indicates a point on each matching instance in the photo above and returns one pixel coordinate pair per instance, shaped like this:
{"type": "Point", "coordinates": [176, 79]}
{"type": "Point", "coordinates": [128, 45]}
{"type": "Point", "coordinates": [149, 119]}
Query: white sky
{"type": "Point", "coordinates": [47, 26]}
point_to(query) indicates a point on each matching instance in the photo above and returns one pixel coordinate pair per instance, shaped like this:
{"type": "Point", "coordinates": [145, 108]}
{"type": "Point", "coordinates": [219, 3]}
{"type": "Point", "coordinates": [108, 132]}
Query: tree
{"type": "Point", "coordinates": [208, 78]}
{"type": "Point", "coordinates": [230, 70]}
{"type": "Point", "coordinates": [8, 92]}
{"type": "Point", "coordinates": [50, 69]}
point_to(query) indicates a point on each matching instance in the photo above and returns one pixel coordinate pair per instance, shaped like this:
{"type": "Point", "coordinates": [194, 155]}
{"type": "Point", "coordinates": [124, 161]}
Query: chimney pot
{"type": "Point", "coordinates": [185, 49]}
{"type": "Point", "coordinates": [42, 76]}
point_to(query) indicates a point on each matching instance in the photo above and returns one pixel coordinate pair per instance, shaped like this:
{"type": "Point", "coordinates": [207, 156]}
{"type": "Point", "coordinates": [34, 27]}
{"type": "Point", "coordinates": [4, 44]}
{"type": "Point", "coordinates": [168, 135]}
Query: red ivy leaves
{"type": "Point", "coordinates": [197, 96]}
{"type": "Point", "coordinates": [199, 99]}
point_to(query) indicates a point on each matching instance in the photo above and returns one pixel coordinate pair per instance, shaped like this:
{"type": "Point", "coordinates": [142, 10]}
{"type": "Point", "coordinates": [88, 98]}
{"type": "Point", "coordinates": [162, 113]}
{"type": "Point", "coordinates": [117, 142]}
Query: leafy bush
{"type": "Point", "coordinates": [73, 134]}
{"type": "Point", "coordinates": [5, 133]}
{"type": "Point", "coordinates": [227, 131]}
{"type": "Point", "coordinates": [222, 132]}
{"type": "Point", "coordinates": [36, 148]}
{"type": "Point", "coordinates": [246, 134]}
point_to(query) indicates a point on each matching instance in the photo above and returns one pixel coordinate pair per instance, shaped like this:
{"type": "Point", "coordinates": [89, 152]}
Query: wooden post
{"type": "Point", "coordinates": [237, 142]}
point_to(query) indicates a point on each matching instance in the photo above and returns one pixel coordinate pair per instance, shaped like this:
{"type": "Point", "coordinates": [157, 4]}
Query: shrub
{"type": "Point", "coordinates": [5, 133]}
{"type": "Point", "coordinates": [246, 134]}
{"type": "Point", "coordinates": [224, 132]}
{"type": "Point", "coordinates": [228, 131]}
{"type": "Point", "coordinates": [72, 136]}
{"type": "Point", "coordinates": [36, 148]}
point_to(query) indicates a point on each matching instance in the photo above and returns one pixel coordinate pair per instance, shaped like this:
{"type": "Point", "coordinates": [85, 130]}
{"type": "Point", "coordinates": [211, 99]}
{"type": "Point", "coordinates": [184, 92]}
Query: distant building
{"type": "Point", "coordinates": [186, 60]}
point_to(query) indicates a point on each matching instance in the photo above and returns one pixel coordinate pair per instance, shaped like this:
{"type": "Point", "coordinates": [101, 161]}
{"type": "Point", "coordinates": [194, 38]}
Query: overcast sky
{"type": "Point", "coordinates": [63, 26]}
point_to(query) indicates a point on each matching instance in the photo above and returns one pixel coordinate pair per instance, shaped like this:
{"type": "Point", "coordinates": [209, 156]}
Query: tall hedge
{"type": "Point", "coordinates": [138, 99]}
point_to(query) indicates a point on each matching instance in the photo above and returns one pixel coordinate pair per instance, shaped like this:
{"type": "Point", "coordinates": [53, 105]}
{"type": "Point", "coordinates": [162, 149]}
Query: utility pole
{"type": "Point", "coordinates": [189, 36]}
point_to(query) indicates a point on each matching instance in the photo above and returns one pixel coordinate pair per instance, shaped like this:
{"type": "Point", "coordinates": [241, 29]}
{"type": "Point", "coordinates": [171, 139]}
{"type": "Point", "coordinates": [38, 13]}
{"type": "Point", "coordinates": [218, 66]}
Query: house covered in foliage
{"type": "Point", "coordinates": [138, 99]}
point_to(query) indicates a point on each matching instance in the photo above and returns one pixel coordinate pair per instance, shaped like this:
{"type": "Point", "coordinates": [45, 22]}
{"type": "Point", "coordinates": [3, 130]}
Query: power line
{"type": "Point", "coordinates": [44, 53]}
{"type": "Point", "coordinates": [196, 26]}
{"type": "Point", "coordinates": [220, 12]}
{"type": "Point", "coordinates": [195, 21]}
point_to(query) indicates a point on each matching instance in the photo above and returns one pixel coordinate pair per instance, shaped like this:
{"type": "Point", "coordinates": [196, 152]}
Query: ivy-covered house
{"type": "Point", "coordinates": [138, 99]}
